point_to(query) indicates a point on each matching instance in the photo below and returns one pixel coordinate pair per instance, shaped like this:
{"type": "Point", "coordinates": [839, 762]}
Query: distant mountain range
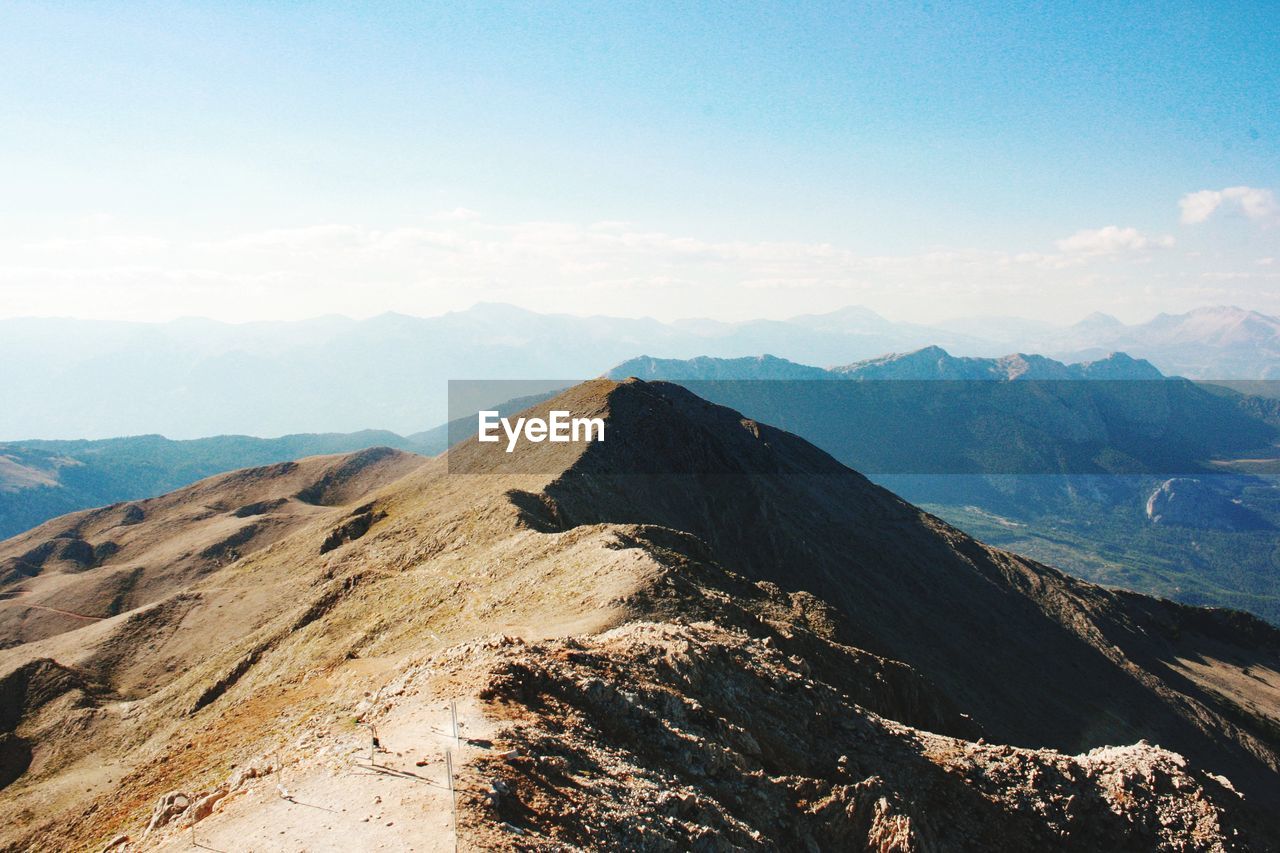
{"type": "Point", "coordinates": [1210, 343]}
{"type": "Point", "coordinates": [1016, 414]}
{"type": "Point", "coordinates": [43, 479]}
{"type": "Point", "coordinates": [931, 363]}
{"type": "Point", "coordinates": [190, 378]}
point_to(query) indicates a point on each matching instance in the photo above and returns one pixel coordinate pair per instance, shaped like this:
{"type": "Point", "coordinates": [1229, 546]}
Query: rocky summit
{"type": "Point", "coordinates": [702, 633]}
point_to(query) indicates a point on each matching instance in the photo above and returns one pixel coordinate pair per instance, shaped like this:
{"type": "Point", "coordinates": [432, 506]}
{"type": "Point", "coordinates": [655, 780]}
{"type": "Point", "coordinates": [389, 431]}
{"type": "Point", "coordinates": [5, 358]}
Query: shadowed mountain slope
{"type": "Point", "coordinates": [700, 632]}
{"type": "Point", "coordinates": [1018, 451]}
{"type": "Point", "coordinates": [1036, 657]}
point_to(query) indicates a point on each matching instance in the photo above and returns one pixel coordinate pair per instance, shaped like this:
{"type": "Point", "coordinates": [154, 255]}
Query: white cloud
{"type": "Point", "coordinates": [1111, 240]}
{"type": "Point", "coordinates": [310, 238]}
{"type": "Point", "coordinates": [111, 244]}
{"type": "Point", "coordinates": [1254, 202]}
{"type": "Point", "coordinates": [458, 214]}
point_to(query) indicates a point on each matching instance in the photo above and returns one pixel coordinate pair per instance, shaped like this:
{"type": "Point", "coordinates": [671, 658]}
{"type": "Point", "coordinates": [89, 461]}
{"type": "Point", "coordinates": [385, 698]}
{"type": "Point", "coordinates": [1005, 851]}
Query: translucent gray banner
{"type": "Point", "coordinates": [887, 427]}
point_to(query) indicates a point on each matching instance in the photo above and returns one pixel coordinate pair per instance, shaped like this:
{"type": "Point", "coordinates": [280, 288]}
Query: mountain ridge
{"type": "Point", "coordinates": [584, 610]}
{"type": "Point", "coordinates": [931, 362]}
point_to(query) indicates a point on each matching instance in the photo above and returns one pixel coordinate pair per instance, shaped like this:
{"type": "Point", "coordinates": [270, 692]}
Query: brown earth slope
{"type": "Point", "coordinates": [701, 633]}
{"type": "Point", "coordinates": [95, 564]}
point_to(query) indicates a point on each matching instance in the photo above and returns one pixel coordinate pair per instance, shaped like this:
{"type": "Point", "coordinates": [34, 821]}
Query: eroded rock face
{"type": "Point", "coordinates": [350, 529]}
{"type": "Point", "coordinates": [1188, 502]}
{"type": "Point", "coordinates": [713, 740]}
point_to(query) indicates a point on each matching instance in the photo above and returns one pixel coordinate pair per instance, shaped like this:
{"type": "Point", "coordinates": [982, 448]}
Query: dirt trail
{"type": "Point", "coordinates": [18, 601]}
{"type": "Point", "coordinates": [332, 791]}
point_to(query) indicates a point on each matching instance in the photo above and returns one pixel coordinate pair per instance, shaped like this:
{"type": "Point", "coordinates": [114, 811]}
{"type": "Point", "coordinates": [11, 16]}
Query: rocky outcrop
{"type": "Point", "coordinates": [352, 528]}
{"type": "Point", "coordinates": [714, 741]}
{"type": "Point", "coordinates": [1189, 502]}
{"type": "Point", "coordinates": [167, 809]}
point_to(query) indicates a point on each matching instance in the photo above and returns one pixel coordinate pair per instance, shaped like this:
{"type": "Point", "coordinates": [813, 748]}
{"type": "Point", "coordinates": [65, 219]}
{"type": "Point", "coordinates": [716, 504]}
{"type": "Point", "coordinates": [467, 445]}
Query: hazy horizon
{"type": "Point", "coordinates": [1128, 319]}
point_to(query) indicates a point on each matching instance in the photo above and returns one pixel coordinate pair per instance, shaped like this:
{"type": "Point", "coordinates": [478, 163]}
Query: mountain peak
{"type": "Point", "coordinates": [855, 319]}
{"type": "Point", "coordinates": [1098, 320]}
{"type": "Point", "coordinates": [1233, 311]}
{"type": "Point", "coordinates": [762, 499]}
{"type": "Point", "coordinates": [924, 363]}
{"type": "Point", "coordinates": [1118, 365]}
{"type": "Point", "coordinates": [496, 311]}
{"type": "Point", "coordinates": [706, 368]}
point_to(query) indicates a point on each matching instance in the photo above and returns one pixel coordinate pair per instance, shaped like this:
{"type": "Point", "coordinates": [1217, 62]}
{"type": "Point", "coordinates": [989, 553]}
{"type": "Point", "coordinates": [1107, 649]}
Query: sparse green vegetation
{"type": "Point", "coordinates": [1118, 546]}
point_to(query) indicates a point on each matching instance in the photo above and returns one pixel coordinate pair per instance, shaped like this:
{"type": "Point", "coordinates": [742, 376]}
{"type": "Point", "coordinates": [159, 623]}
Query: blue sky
{"type": "Point", "coordinates": [929, 160]}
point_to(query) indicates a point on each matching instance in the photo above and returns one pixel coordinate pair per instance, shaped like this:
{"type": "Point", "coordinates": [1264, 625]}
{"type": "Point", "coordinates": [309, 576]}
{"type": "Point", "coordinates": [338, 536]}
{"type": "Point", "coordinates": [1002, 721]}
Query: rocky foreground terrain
{"type": "Point", "coordinates": [702, 633]}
